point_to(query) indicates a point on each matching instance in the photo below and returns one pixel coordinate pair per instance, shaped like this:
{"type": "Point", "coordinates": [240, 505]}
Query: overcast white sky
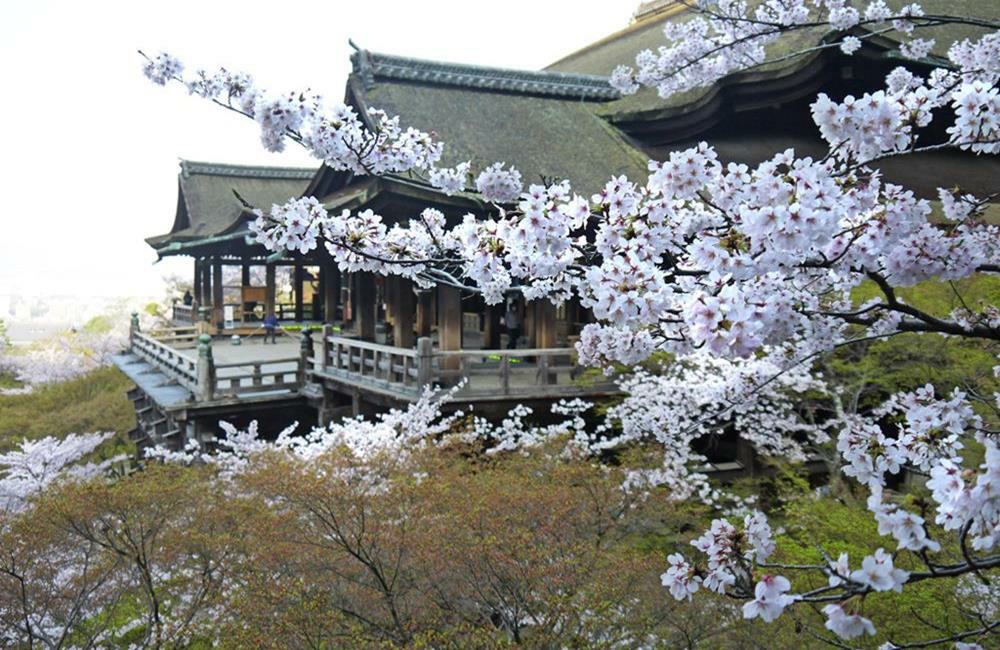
{"type": "Point", "coordinates": [88, 160]}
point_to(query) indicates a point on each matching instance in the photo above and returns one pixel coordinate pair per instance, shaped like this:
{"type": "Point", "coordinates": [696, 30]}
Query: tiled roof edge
{"type": "Point", "coordinates": [189, 167]}
{"type": "Point", "coordinates": [371, 65]}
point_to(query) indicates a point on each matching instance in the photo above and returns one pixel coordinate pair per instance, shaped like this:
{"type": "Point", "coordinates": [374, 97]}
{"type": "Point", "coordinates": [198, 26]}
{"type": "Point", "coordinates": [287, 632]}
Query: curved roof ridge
{"type": "Point", "coordinates": [640, 21]}
{"type": "Point", "coordinates": [189, 167]}
{"type": "Point", "coordinates": [372, 65]}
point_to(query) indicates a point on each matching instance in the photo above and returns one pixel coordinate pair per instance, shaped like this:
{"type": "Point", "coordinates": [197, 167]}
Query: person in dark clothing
{"type": "Point", "coordinates": [512, 321]}
{"type": "Point", "coordinates": [270, 328]}
{"type": "Point", "coordinates": [188, 298]}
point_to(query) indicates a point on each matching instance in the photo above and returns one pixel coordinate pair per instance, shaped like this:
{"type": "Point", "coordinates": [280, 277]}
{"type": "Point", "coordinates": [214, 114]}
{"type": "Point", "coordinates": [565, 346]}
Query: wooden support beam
{"type": "Point", "coordinates": [363, 305]}
{"type": "Point", "coordinates": [402, 312]}
{"type": "Point", "coordinates": [544, 323]}
{"type": "Point", "coordinates": [425, 312]}
{"type": "Point", "coordinates": [269, 290]}
{"type": "Point", "coordinates": [449, 301]}
{"type": "Point", "coordinates": [330, 279]}
{"type": "Point", "coordinates": [198, 298]}
{"type": "Point", "coordinates": [545, 335]}
{"type": "Point", "coordinates": [297, 281]}
{"type": "Point", "coordinates": [245, 274]}
{"type": "Point", "coordinates": [218, 317]}
{"type": "Point", "coordinates": [491, 326]}
{"type": "Point", "coordinates": [206, 280]}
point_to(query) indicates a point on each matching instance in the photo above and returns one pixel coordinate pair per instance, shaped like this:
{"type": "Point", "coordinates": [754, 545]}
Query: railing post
{"type": "Point", "coordinates": [306, 351]}
{"type": "Point", "coordinates": [324, 346]}
{"type": "Point", "coordinates": [505, 374]}
{"type": "Point", "coordinates": [425, 356]}
{"type": "Point", "coordinates": [206, 368]}
{"type": "Point", "coordinates": [543, 370]}
{"type": "Point", "coordinates": [133, 326]}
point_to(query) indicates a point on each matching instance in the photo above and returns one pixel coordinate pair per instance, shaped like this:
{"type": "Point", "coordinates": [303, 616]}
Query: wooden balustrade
{"type": "Point", "coordinates": [257, 377]}
{"type": "Point", "coordinates": [372, 363]}
{"type": "Point", "coordinates": [172, 363]}
{"type": "Point", "coordinates": [539, 372]}
{"type": "Point", "coordinates": [185, 314]}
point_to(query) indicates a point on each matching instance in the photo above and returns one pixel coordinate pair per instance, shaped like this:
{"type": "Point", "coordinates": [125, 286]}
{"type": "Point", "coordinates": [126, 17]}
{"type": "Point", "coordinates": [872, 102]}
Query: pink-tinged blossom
{"type": "Point", "coordinates": [844, 625]}
{"type": "Point", "coordinates": [878, 573]}
{"type": "Point", "coordinates": [770, 599]}
{"type": "Point", "coordinates": [499, 185]}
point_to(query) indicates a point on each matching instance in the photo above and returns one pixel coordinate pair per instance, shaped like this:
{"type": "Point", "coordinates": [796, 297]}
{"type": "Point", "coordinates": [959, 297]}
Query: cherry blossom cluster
{"type": "Point", "coordinates": [34, 465]}
{"type": "Point", "coordinates": [700, 396]}
{"type": "Point", "coordinates": [927, 440]}
{"type": "Point", "coordinates": [59, 359]}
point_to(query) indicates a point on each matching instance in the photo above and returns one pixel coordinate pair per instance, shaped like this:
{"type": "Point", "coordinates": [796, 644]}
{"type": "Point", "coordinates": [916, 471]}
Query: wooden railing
{"type": "Point", "coordinates": [185, 314]}
{"type": "Point", "coordinates": [175, 365]}
{"type": "Point", "coordinates": [524, 373]}
{"type": "Point", "coordinates": [537, 372]}
{"type": "Point", "coordinates": [236, 379]}
{"type": "Point", "coordinates": [362, 362]}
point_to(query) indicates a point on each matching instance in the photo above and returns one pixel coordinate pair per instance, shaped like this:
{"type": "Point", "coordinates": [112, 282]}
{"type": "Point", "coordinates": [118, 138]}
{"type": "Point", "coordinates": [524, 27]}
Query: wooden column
{"type": "Point", "coordinates": [244, 283]}
{"type": "Point", "coordinates": [218, 317]}
{"type": "Point", "coordinates": [297, 278]}
{"type": "Point", "coordinates": [528, 322]}
{"type": "Point", "coordinates": [198, 298]}
{"type": "Point", "coordinates": [363, 307]}
{"type": "Point", "coordinates": [544, 323]}
{"type": "Point", "coordinates": [491, 327]}
{"type": "Point", "coordinates": [425, 312]}
{"type": "Point", "coordinates": [331, 291]}
{"type": "Point", "coordinates": [545, 336]}
{"type": "Point", "coordinates": [269, 290]}
{"type": "Point", "coordinates": [402, 312]}
{"type": "Point", "coordinates": [206, 280]}
{"type": "Point", "coordinates": [449, 301]}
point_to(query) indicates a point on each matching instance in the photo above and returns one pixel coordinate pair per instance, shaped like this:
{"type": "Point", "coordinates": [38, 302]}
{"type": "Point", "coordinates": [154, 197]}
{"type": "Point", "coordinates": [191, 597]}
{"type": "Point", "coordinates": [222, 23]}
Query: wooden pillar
{"type": "Point", "coordinates": [218, 316]}
{"type": "Point", "coordinates": [402, 312]}
{"type": "Point", "coordinates": [269, 290]}
{"type": "Point", "coordinates": [198, 298]}
{"type": "Point", "coordinates": [331, 291]}
{"type": "Point", "coordinates": [363, 305]}
{"type": "Point", "coordinates": [449, 300]}
{"type": "Point", "coordinates": [244, 283]}
{"type": "Point", "coordinates": [491, 328]}
{"type": "Point", "coordinates": [528, 322]}
{"type": "Point", "coordinates": [206, 280]}
{"type": "Point", "coordinates": [425, 312]}
{"type": "Point", "coordinates": [544, 323]}
{"type": "Point", "coordinates": [297, 289]}
{"type": "Point", "coordinates": [545, 336]}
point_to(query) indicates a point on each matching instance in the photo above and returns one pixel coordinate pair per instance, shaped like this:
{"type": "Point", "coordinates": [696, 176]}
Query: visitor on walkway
{"type": "Point", "coordinates": [512, 321]}
{"type": "Point", "coordinates": [270, 328]}
{"type": "Point", "coordinates": [188, 298]}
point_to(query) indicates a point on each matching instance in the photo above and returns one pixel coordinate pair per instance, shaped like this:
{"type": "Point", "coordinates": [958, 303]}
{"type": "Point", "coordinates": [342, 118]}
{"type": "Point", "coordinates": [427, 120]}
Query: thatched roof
{"type": "Point", "coordinates": [207, 207]}
{"type": "Point", "coordinates": [542, 123]}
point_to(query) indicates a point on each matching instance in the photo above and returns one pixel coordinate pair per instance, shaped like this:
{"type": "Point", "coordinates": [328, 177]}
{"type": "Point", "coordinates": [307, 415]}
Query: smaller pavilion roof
{"type": "Point", "coordinates": [207, 207]}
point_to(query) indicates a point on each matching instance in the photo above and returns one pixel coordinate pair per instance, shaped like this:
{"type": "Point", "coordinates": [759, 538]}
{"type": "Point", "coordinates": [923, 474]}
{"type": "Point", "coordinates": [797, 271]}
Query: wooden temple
{"type": "Point", "coordinates": [357, 343]}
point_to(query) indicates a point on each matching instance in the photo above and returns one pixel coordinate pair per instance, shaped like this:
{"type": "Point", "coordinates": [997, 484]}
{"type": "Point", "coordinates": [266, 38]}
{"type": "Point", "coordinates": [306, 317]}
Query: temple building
{"type": "Point", "coordinates": [381, 340]}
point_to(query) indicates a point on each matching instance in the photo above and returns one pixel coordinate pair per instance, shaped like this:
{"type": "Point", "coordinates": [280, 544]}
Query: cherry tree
{"type": "Point", "coordinates": [745, 264]}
